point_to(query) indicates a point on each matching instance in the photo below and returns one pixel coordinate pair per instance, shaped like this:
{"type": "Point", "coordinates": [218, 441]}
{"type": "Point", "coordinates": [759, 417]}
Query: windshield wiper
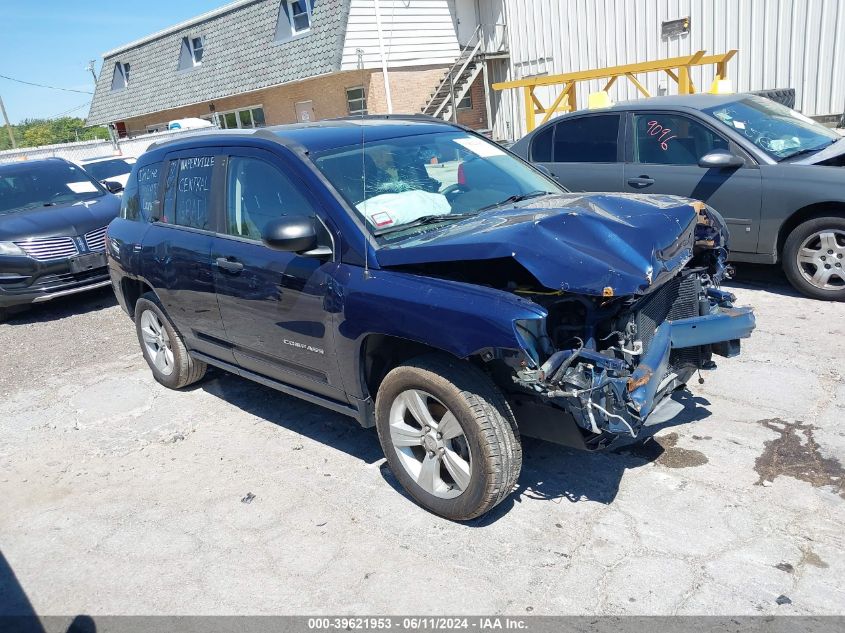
{"type": "Point", "coordinates": [519, 197]}
{"type": "Point", "coordinates": [421, 221]}
{"type": "Point", "coordinates": [809, 150]}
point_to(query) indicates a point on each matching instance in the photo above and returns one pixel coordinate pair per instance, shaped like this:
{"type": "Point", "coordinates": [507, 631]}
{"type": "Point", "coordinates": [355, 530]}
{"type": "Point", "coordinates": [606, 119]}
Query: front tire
{"type": "Point", "coordinates": [162, 346]}
{"type": "Point", "coordinates": [814, 258]}
{"type": "Point", "coordinates": [449, 436]}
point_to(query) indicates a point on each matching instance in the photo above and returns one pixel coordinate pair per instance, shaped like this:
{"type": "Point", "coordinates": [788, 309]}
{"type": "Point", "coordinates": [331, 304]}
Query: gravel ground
{"type": "Point", "coordinates": [121, 497]}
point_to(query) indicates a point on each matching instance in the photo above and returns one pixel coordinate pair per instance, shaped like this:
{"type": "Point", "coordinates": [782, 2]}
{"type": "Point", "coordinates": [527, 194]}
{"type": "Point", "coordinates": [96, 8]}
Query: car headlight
{"type": "Point", "coordinates": [10, 248]}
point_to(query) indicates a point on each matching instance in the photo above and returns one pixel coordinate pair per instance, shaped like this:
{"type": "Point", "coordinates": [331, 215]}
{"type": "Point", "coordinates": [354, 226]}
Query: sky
{"type": "Point", "coordinates": [51, 41]}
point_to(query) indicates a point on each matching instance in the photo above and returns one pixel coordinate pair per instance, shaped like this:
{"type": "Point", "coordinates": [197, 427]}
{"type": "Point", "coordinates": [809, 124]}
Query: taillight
{"type": "Point", "coordinates": [462, 179]}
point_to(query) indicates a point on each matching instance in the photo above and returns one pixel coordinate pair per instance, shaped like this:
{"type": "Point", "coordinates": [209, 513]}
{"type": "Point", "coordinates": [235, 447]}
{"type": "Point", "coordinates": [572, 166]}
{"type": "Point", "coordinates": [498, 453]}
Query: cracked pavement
{"type": "Point", "coordinates": [121, 497]}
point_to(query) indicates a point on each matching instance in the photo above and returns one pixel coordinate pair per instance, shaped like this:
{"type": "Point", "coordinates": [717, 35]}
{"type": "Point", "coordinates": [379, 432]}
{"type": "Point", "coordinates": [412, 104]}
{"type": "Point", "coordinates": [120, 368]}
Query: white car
{"type": "Point", "coordinates": [111, 168]}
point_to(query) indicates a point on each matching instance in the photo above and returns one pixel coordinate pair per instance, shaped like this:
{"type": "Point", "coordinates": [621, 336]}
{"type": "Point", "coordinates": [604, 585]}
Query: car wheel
{"type": "Point", "coordinates": [4, 314]}
{"type": "Point", "coordinates": [449, 436]}
{"type": "Point", "coordinates": [162, 346]}
{"type": "Point", "coordinates": [814, 258]}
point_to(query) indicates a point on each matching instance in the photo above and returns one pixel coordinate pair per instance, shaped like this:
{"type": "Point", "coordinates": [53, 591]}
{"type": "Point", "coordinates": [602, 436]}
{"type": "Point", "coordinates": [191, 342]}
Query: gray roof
{"type": "Point", "coordinates": [696, 101]}
{"type": "Point", "coordinates": [240, 55]}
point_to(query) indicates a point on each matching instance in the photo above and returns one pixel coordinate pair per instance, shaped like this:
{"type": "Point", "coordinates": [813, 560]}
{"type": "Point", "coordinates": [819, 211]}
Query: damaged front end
{"type": "Point", "coordinates": [610, 361]}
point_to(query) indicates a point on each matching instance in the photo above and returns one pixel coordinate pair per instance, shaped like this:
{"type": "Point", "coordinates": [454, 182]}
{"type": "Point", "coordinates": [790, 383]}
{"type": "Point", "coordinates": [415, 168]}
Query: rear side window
{"type": "Point", "coordinates": [141, 199]}
{"type": "Point", "coordinates": [193, 191]}
{"type": "Point", "coordinates": [541, 146]}
{"type": "Point", "coordinates": [589, 139]}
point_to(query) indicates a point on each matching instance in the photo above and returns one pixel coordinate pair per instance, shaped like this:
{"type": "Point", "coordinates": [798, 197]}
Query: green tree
{"type": "Point", "coordinates": [37, 132]}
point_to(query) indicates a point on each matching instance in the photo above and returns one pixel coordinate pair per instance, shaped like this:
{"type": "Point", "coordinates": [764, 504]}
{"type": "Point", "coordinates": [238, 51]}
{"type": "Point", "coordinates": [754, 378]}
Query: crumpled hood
{"type": "Point", "coordinates": [70, 220]}
{"type": "Point", "coordinates": [831, 151]}
{"type": "Point", "coordinates": [580, 243]}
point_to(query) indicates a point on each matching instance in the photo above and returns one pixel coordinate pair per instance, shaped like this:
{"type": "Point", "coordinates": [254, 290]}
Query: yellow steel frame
{"type": "Point", "coordinates": [678, 68]}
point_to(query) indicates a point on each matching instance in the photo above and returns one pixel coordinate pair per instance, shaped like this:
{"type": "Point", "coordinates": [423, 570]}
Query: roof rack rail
{"type": "Point", "coordinates": [390, 117]}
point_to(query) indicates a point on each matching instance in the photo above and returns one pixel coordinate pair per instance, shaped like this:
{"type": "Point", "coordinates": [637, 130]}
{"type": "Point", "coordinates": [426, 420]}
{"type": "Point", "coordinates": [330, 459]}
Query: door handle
{"type": "Point", "coordinates": [640, 182]}
{"type": "Point", "coordinates": [229, 264]}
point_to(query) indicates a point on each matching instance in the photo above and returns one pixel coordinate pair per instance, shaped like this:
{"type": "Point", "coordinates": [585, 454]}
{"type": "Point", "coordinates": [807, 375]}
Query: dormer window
{"type": "Point", "coordinates": [196, 50]}
{"type": "Point", "coordinates": [294, 19]}
{"type": "Point", "coordinates": [190, 55]}
{"type": "Point", "coordinates": [120, 77]}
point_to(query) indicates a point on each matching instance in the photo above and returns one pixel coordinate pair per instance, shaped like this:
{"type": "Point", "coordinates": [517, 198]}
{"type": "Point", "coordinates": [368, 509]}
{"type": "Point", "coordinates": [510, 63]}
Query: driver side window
{"type": "Point", "coordinates": [671, 139]}
{"type": "Point", "coordinates": [256, 193]}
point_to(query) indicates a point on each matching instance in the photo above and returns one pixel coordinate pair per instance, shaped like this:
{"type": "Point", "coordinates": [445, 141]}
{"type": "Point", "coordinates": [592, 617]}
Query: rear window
{"type": "Point", "coordinates": [103, 170]}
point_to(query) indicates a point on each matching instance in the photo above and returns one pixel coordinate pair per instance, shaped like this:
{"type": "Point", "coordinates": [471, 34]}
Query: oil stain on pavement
{"type": "Point", "coordinates": [795, 453]}
{"type": "Point", "coordinates": [663, 450]}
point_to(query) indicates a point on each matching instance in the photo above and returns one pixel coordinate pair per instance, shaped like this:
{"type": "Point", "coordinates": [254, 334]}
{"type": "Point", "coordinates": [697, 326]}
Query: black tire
{"type": "Point", "coordinates": [185, 369]}
{"type": "Point", "coordinates": [485, 418]}
{"type": "Point", "coordinates": [4, 314]}
{"type": "Point", "coordinates": [784, 96]}
{"type": "Point", "coordinates": [790, 258]}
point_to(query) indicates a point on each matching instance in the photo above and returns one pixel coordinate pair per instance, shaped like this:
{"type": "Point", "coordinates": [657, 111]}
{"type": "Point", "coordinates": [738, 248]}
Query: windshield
{"type": "Point", "coordinates": [412, 181]}
{"type": "Point", "coordinates": [774, 128]}
{"type": "Point", "coordinates": [103, 170]}
{"type": "Point", "coordinates": [30, 185]}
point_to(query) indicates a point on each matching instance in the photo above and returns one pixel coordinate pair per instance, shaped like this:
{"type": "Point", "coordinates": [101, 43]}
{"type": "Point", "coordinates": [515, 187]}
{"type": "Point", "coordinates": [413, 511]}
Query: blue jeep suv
{"type": "Point", "coordinates": [419, 278]}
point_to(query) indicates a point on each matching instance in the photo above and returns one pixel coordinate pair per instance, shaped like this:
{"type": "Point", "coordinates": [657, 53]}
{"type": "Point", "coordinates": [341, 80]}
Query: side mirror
{"type": "Point", "coordinates": [112, 186]}
{"type": "Point", "coordinates": [720, 159]}
{"type": "Point", "coordinates": [292, 234]}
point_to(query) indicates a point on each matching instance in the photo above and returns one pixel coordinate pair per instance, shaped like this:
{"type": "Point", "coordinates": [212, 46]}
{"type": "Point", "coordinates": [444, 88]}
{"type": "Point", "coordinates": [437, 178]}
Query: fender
{"type": "Point", "coordinates": [458, 318]}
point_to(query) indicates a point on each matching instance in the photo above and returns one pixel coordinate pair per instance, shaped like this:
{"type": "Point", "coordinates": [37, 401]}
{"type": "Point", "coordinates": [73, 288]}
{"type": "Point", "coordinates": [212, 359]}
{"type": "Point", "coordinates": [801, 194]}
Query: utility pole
{"type": "Point", "coordinates": [8, 125]}
{"type": "Point", "coordinates": [90, 68]}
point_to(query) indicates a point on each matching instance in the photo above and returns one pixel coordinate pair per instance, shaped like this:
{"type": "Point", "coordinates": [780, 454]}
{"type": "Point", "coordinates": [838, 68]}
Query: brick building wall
{"type": "Point", "coordinates": [410, 88]}
{"type": "Point", "coordinates": [475, 117]}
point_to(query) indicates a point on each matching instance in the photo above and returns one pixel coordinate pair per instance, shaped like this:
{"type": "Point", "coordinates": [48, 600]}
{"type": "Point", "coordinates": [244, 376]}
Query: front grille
{"type": "Point", "coordinates": [676, 299]}
{"type": "Point", "coordinates": [63, 279]}
{"type": "Point", "coordinates": [96, 240]}
{"type": "Point", "coordinates": [48, 247]}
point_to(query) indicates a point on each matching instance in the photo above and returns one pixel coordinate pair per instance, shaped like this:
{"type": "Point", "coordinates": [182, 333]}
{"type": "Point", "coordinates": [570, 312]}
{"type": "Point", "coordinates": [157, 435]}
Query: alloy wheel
{"type": "Point", "coordinates": [157, 342]}
{"type": "Point", "coordinates": [821, 259]}
{"type": "Point", "coordinates": [430, 444]}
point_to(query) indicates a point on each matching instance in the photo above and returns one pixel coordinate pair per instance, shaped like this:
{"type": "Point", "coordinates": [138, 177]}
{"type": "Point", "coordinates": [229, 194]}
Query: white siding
{"type": "Point", "coordinates": [782, 44]}
{"type": "Point", "coordinates": [415, 33]}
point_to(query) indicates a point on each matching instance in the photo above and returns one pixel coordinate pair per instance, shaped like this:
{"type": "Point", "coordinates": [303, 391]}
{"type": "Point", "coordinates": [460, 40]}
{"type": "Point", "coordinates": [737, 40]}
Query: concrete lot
{"type": "Point", "coordinates": [120, 497]}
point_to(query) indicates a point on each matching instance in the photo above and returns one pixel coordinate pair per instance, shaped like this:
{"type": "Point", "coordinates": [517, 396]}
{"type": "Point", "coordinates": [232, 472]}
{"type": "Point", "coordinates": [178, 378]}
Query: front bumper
{"type": "Point", "coordinates": [722, 329]}
{"type": "Point", "coordinates": [26, 281]}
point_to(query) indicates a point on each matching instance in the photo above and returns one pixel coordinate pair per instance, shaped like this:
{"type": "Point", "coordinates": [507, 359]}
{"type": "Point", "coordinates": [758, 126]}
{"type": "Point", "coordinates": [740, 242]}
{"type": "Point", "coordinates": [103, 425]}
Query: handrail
{"type": "Point", "coordinates": [567, 81]}
{"type": "Point", "coordinates": [447, 80]}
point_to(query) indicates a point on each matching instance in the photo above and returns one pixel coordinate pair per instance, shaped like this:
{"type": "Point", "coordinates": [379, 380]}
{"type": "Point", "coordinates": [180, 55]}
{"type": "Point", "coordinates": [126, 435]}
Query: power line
{"type": "Point", "coordinates": [61, 114]}
{"type": "Point", "coordinates": [29, 83]}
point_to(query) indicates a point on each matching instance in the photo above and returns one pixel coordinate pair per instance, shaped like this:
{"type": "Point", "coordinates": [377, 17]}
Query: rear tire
{"type": "Point", "coordinates": [4, 314]}
{"type": "Point", "coordinates": [814, 258]}
{"type": "Point", "coordinates": [162, 346]}
{"type": "Point", "coordinates": [471, 456]}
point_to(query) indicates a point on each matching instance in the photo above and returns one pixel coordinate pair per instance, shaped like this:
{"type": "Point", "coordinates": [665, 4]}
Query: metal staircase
{"type": "Point", "coordinates": [457, 80]}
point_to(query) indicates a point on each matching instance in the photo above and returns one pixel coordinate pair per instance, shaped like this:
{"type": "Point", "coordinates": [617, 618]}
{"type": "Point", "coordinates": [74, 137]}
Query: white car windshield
{"type": "Point", "coordinates": [410, 181]}
{"type": "Point", "coordinates": [779, 131]}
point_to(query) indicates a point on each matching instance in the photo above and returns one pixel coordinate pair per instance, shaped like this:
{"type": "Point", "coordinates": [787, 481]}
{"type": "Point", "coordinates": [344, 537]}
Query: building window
{"type": "Point", "coordinates": [356, 100]}
{"type": "Point", "coordinates": [237, 119]}
{"type": "Point", "coordinates": [191, 52]}
{"type": "Point", "coordinates": [196, 50]}
{"type": "Point", "coordinates": [120, 78]}
{"type": "Point", "coordinates": [466, 102]}
{"type": "Point", "coordinates": [294, 19]}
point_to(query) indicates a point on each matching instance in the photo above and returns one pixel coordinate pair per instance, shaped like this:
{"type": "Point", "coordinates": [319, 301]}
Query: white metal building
{"type": "Point", "coordinates": [796, 44]}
